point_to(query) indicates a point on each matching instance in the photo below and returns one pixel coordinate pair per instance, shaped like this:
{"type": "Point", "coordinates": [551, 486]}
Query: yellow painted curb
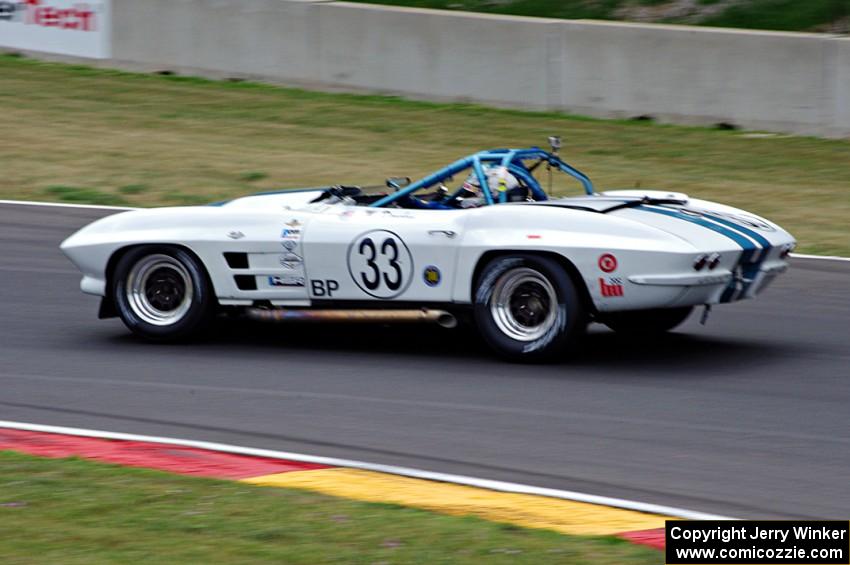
{"type": "Point", "coordinates": [565, 516]}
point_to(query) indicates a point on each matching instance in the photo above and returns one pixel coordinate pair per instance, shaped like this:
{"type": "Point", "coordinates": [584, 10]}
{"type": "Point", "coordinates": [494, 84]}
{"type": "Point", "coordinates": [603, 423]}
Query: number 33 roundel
{"type": "Point", "coordinates": [380, 264]}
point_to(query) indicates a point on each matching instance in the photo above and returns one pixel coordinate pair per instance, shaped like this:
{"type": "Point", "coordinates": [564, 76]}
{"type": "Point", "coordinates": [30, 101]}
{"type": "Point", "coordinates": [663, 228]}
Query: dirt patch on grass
{"type": "Point", "coordinates": [679, 11]}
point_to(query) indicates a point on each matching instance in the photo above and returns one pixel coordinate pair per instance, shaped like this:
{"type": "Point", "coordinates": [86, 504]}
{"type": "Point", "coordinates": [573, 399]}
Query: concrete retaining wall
{"type": "Point", "coordinates": [841, 87]}
{"type": "Point", "coordinates": [797, 83]}
{"type": "Point", "coordinates": [758, 80]}
{"type": "Point", "coordinates": [264, 38]}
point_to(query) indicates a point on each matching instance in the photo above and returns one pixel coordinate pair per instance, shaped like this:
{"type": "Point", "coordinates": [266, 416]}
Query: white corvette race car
{"type": "Point", "coordinates": [532, 271]}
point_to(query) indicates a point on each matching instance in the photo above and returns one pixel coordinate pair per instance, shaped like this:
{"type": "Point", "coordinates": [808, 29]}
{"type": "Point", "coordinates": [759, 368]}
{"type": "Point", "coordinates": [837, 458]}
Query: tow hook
{"type": "Point", "coordinates": [706, 311]}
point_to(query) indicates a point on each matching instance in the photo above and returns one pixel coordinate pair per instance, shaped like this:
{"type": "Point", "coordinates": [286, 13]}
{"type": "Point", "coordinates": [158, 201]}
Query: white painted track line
{"type": "Point", "coordinates": [823, 257]}
{"type": "Point", "coordinates": [390, 469]}
{"type": "Point", "coordinates": [65, 205]}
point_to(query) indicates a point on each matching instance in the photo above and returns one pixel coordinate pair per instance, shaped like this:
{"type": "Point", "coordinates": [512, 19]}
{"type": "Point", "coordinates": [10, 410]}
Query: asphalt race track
{"type": "Point", "coordinates": [747, 416]}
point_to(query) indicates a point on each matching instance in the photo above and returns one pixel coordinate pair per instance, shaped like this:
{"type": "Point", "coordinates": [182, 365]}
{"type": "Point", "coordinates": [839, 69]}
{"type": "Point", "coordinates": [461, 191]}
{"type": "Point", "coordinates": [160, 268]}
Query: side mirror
{"type": "Point", "coordinates": [398, 182]}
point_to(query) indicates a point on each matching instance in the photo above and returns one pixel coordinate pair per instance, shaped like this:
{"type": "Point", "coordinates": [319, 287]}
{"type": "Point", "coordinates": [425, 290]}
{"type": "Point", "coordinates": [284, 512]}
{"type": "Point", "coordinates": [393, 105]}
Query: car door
{"type": "Point", "coordinates": [382, 254]}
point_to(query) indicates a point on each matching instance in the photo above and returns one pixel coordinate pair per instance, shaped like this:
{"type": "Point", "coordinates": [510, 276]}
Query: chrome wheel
{"type": "Point", "coordinates": [159, 290]}
{"type": "Point", "coordinates": [524, 305]}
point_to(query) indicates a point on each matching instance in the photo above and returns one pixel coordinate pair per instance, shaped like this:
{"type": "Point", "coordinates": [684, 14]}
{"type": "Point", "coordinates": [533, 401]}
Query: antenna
{"type": "Point", "coordinates": [555, 144]}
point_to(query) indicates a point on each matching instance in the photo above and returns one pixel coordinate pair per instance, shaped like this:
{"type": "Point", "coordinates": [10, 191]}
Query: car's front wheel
{"type": "Point", "coordinates": [653, 321]}
{"type": "Point", "coordinates": [162, 293]}
{"type": "Point", "coordinates": [527, 307]}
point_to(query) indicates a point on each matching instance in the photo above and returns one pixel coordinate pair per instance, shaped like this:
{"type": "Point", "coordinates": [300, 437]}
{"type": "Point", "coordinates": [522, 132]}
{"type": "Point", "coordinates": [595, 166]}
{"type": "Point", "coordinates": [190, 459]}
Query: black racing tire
{"type": "Point", "coordinates": [163, 293]}
{"type": "Point", "coordinates": [527, 308]}
{"type": "Point", "coordinates": [655, 321]}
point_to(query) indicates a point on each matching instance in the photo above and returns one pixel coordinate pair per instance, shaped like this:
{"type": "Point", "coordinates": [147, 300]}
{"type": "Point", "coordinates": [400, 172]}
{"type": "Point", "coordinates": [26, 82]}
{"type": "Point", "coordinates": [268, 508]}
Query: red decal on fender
{"type": "Point", "coordinates": [612, 288]}
{"type": "Point", "coordinates": [608, 263]}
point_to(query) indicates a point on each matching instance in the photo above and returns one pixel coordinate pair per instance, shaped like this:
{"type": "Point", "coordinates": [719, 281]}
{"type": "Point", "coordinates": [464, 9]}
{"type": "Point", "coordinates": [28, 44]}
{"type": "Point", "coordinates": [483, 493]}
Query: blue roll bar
{"type": "Point", "coordinates": [512, 159]}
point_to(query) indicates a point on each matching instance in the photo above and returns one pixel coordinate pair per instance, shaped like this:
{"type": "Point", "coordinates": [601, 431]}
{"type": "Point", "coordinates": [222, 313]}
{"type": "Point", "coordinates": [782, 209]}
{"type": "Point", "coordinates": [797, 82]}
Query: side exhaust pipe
{"type": "Point", "coordinates": [440, 317]}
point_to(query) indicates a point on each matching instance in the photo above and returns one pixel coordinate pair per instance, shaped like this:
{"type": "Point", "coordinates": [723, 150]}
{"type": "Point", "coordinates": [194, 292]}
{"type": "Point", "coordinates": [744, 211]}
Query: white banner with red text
{"type": "Point", "coordinates": [68, 27]}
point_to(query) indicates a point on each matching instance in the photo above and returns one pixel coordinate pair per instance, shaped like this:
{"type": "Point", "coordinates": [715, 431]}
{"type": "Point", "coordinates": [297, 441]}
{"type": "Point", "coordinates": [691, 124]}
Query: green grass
{"type": "Point", "coordinates": [78, 195]}
{"type": "Point", "coordinates": [253, 176]}
{"type": "Point", "coordinates": [788, 15]}
{"type": "Point", "coordinates": [75, 133]}
{"type": "Point", "coordinates": [133, 189]}
{"type": "Point", "coordinates": [73, 511]}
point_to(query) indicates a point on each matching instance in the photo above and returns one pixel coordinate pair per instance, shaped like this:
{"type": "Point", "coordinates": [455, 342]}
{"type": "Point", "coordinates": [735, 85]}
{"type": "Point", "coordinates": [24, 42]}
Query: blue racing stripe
{"type": "Point", "coordinates": [741, 228]}
{"type": "Point", "coordinates": [744, 242]}
{"type": "Point", "coordinates": [749, 268]}
{"type": "Point", "coordinates": [732, 288]}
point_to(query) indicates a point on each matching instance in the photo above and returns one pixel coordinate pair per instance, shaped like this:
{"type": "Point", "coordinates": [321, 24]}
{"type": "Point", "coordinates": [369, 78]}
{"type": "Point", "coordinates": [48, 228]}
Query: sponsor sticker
{"type": "Point", "coordinates": [324, 288]}
{"type": "Point", "coordinates": [290, 233]}
{"type": "Point", "coordinates": [611, 287]}
{"type": "Point", "coordinates": [286, 280]}
{"type": "Point", "coordinates": [432, 276]}
{"type": "Point", "coordinates": [290, 261]}
{"type": "Point", "coordinates": [607, 263]}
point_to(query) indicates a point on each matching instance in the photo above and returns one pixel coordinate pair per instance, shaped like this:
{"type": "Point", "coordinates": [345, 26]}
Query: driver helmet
{"type": "Point", "coordinates": [498, 180]}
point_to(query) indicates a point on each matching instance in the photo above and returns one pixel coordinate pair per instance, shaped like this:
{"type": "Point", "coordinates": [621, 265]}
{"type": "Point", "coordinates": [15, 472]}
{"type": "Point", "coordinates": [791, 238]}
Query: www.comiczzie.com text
{"type": "Point", "coordinates": [758, 542]}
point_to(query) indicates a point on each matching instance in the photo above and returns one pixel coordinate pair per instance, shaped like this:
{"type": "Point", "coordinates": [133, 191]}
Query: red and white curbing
{"type": "Point", "coordinates": [224, 461]}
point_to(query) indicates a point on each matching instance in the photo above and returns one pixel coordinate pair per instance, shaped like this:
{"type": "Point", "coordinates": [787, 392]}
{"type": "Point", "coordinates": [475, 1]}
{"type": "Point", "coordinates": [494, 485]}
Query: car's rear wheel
{"type": "Point", "coordinates": [162, 293]}
{"type": "Point", "coordinates": [655, 321]}
{"type": "Point", "coordinates": [527, 307]}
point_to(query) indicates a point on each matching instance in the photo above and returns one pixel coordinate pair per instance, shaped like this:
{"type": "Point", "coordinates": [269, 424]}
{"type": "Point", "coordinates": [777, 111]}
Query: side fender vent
{"type": "Point", "coordinates": [236, 260]}
{"type": "Point", "coordinates": [245, 282]}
